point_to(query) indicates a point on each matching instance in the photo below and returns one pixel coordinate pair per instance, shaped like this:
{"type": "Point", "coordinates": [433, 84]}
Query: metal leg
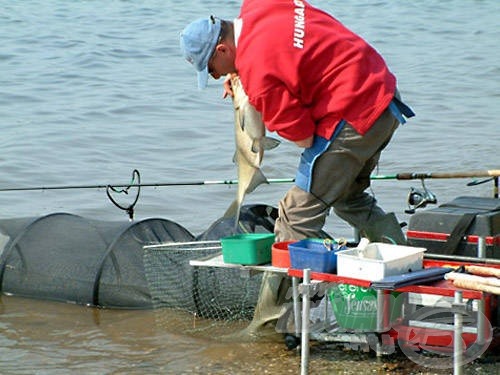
{"type": "Point", "coordinates": [296, 307]}
{"type": "Point", "coordinates": [457, 339]}
{"type": "Point", "coordinates": [383, 309]}
{"type": "Point", "coordinates": [326, 315]}
{"type": "Point", "coordinates": [380, 310]}
{"type": "Point", "coordinates": [481, 323]}
{"type": "Point", "coordinates": [306, 284]}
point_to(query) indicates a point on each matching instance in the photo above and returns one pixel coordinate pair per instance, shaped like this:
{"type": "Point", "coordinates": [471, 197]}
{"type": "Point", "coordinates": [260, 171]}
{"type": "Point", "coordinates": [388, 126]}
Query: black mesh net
{"type": "Point", "coordinates": [208, 292]}
{"type": "Point", "coordinates": [215, 293]}
{"type": "Point", "coordinates": [69, 258]}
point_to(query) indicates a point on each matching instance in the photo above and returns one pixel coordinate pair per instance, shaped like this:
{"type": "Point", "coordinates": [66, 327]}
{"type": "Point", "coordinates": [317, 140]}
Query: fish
{"type": "Point", "coordinates": [251, 141]}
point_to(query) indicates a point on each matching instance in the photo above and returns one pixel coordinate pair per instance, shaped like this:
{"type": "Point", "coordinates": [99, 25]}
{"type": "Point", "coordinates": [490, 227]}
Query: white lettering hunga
{"type": "Point", "coordinates": [299, 24]}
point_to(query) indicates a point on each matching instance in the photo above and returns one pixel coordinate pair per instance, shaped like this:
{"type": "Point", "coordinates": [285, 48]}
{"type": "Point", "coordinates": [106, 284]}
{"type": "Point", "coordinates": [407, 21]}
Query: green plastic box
{"type": "Point", "coordinates": [355, 307]}
{"type": "Point", "coordinates": [247, 248]}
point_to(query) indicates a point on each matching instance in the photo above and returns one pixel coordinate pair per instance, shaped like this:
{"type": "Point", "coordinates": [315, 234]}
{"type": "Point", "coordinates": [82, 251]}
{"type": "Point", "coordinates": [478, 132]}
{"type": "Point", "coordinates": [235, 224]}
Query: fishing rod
{"type": "Point", "coordinates": [398, 176]}
{"type": "Point", "coordinates": [158, 184]}
{"type": "Point", "coordinates": [438, 175]}
{"type": "Point", "coordinates": [417, 198]}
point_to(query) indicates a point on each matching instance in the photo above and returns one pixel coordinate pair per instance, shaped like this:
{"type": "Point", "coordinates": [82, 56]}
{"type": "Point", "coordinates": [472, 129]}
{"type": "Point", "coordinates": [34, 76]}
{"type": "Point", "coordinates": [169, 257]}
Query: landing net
{"type": "Point", "coordinates": [213, 293]}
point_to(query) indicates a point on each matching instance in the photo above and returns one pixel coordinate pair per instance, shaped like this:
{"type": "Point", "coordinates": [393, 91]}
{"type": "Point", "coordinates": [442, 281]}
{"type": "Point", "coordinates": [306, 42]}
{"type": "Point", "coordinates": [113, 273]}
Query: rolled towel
{"type": "Point", "coordinates": [474, 282]}
{"type": "Point", "coordinates": [483, 271]}
{"type": "Point", "coordinates": [493, 281]}
{"type": "Point", "coordinates": [466, 284]}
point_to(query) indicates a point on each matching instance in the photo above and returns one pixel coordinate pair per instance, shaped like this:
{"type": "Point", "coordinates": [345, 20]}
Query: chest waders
{"type": "Point", "coordinates": [386, 228]}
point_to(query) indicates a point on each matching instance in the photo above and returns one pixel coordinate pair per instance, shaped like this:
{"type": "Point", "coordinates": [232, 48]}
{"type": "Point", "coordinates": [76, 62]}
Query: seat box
{"type": "Point", "coordinates": [477, 217]}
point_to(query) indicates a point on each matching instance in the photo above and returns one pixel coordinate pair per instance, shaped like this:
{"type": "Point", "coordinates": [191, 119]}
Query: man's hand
{"type": "Point", "coordinates": [228, 90]}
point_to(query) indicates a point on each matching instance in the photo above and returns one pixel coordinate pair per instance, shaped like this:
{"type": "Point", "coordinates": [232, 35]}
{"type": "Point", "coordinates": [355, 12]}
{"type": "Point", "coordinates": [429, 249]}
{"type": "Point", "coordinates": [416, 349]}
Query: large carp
{"type": "Point", "coordinates": [251, 141]}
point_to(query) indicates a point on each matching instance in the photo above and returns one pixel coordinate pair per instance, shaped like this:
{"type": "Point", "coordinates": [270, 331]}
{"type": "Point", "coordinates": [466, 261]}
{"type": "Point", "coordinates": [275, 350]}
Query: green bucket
{"type": "Point", "coordinates": [355, 307]}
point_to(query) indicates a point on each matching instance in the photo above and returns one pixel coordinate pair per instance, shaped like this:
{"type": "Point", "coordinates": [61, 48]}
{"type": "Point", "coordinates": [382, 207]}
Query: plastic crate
{"type": "Point", "coordinates": [247, 248]}
{"type": "Point", "coordinates": [316, 254]}
{"type": "Point", "coordinates": [379, 260]}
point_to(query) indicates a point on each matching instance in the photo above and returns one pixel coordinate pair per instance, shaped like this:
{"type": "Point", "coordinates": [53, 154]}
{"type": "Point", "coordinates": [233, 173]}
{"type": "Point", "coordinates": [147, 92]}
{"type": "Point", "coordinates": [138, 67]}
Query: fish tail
{"type": "Point", "coordinates": [233, 209]}
{"type": "Point", "coordinates": [237, 219]}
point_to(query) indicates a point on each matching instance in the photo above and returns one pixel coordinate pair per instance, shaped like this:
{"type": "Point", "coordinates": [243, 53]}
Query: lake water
{"type": "Point", "coordinates": [90, 91]}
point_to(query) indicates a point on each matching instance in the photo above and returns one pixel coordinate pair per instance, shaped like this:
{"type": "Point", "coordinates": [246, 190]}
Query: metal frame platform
{"type": "Point", "coordinates": [312, 280]}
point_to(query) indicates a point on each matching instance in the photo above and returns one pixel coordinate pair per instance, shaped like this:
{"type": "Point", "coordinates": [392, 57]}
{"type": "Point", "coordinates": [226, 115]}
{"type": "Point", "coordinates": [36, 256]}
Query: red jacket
{"type": "Point", "coordinates": [304, 71]}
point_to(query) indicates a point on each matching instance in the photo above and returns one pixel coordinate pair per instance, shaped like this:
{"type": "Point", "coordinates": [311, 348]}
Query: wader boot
{"type": "Point", "coordinates": [385, 229]}
{"type": "Point", "coordinates": [273, 302]}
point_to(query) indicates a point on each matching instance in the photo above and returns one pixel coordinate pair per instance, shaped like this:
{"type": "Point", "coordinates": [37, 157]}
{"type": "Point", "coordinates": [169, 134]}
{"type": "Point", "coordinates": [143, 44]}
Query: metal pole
{"type": "Point", "coordinates": [296, 307]}
{"type": "Point", "coordinates": [457, 340]}
{"type": "Point", "coordinates": [481, 322]}
{"type": "Point", "coordinates": [383, 316]}
{"type": "Point", "coordinates": [380, 310]}
{"type": "Point", "coordinates": [481, 247]}
{"type": "Point", "coordinates": [306, 285]}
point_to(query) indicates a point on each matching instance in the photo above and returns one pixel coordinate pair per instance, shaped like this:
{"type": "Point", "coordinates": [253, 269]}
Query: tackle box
{"type": "Point", "coordinates": [457, 227]}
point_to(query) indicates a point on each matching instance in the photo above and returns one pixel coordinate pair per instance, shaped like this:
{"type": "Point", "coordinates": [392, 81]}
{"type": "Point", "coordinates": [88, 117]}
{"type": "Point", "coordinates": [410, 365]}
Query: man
{"type": "Point", "coordinates": [319, 85]}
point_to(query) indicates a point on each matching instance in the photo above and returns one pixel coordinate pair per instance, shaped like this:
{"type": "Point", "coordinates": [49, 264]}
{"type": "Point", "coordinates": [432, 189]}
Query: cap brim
{"type": "Point", "coordinates": [203, 78]}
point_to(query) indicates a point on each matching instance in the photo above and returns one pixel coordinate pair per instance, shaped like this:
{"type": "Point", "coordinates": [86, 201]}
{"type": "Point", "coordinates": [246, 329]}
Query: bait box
{"type": "Point", "coordinates": [280, 255]}
{"type": "Point", "coordinates": [313, 254]}
{"type": "Point", "coordinates": [247, 248]}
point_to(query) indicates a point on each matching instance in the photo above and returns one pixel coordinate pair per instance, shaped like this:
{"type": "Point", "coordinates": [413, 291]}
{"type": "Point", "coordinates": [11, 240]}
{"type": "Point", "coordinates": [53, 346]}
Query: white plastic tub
{"type": "Point", "coordinates": [378, 260]}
